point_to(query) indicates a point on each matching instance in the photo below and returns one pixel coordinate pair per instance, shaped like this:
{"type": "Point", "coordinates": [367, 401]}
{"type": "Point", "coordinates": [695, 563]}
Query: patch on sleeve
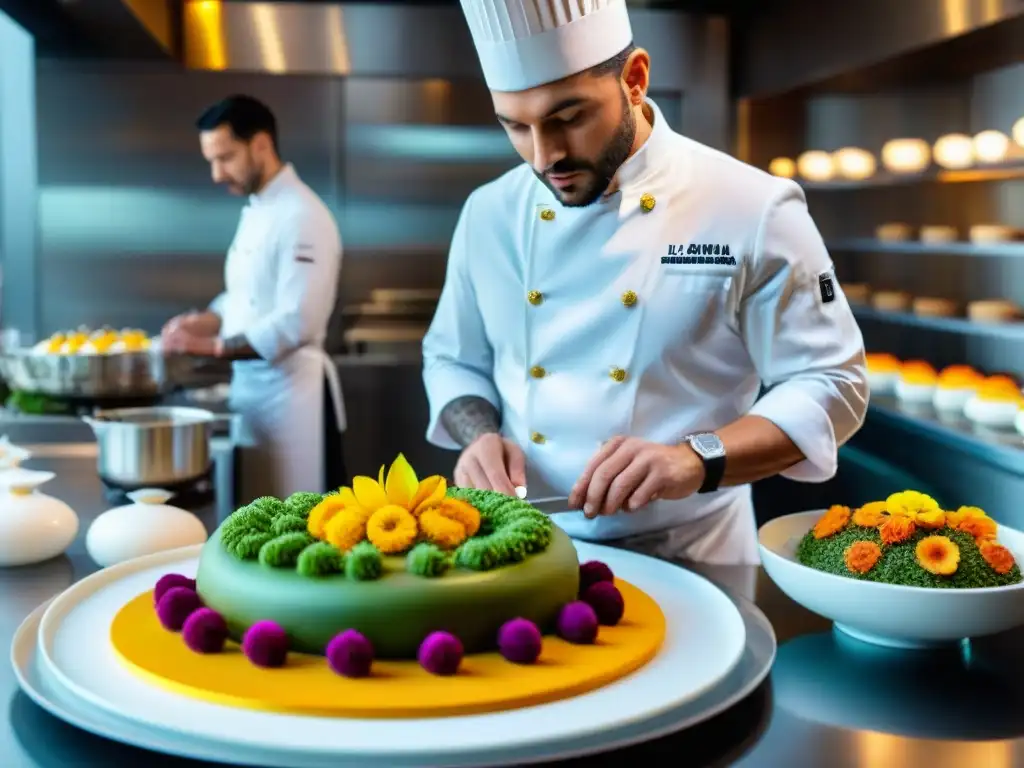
{"type": "Point", "coordinates": [827, 287]}
{"type": "Point", "coordinates": [303, 255]}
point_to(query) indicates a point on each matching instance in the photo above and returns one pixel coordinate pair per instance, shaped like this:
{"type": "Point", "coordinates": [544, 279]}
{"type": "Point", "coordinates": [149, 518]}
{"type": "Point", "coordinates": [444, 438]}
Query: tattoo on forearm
{"type": "Point", "coordinates": [238, 348]}
{"type": "Point", "coordinates": [466, 418]}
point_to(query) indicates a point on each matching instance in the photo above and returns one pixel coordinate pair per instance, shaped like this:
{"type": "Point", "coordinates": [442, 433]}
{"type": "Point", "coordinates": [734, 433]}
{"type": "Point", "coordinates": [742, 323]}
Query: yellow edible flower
{"type": "Point", "coordinates": [387, 511]}
{"type": "Point", "coordinates": [931, 520]}
{"type": "Point", "coordinates": [910, 504]}
{"type": "Point", "coordinates": [938, 555]}
{"type": "Point", "coordinates": [392, 529]}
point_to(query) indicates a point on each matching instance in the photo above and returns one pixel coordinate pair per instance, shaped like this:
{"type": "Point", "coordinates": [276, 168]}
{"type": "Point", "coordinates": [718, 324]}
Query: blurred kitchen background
{"type": "Point", "coordinates": [108, 215]}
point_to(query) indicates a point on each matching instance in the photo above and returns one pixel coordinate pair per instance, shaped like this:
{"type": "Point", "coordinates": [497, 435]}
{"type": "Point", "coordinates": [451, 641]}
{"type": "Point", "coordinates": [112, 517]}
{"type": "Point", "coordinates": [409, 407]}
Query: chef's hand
{"type": "Point", "coordinates": [196, 323]}
{"type": "Point", "coordinates": [491, 463]}
{"type": "Point", "coordinates": [183, 342]}
{"type": "Point", "coordinates": [627, 473]}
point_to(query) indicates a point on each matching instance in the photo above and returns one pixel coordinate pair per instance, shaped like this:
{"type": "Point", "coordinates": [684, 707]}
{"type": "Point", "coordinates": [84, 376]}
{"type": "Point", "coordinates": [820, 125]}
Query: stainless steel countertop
{"type": "Point", "coordinates": [829, 702]}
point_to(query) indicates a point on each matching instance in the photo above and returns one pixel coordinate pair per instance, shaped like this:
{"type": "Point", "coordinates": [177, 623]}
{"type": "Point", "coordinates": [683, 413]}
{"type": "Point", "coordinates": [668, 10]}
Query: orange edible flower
{"type": "Point", "coordinates": [938, 555]}
{"type": "Point", "coordinates": [896, 529]}
{"type": "Point", "coordinates": [871, 515]}
{"type": "Point", "coordinates": [979, 527]}
{"type": "Point", "coordinates": [832, 522]}
{"type": "Point", "coordinates": [997, 556]}
{"type": "Point", "coordinates": [972, 520]}
{"type": "Point", "coordinates": [861, 556]}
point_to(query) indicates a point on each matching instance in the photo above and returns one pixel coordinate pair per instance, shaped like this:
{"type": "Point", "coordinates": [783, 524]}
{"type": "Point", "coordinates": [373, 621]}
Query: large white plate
{"type": "Point", "coordinates": [49, 694]}
{"type": "Point", "coordinates": [704, 641]}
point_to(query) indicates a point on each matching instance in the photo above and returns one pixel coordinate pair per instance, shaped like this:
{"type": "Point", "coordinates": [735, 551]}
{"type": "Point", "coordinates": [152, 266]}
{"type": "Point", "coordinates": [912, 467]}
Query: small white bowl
{"type": "Point", "coordinates": [882, 383]}
{"type": "Point", "coordinates": [889, 614]}
{"type": "Point", "coordinates": [914, 393]}
{"type": "Point", "coordinates": [951, 400]}
{"type": "Point", "coordinates": [998, 414]}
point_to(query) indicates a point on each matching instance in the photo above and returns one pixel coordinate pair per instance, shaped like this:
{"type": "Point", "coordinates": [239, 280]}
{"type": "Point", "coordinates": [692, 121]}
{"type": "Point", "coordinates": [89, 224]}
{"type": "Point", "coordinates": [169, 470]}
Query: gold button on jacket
{"type": "Point", "coordinates": [537, 437]}
{"type": "Point", "coordinates": [538, 372]}
{"type": "Point", "coordinates": [547, 214]}
{"type": "Point", "coordinates": [629, 298]}
{"type": "Point", "coordinates": [535, 297]}
{"type": "Point", "coordinates": [617, 374]}
{"type": "Point", "coordinates": [647, 202]}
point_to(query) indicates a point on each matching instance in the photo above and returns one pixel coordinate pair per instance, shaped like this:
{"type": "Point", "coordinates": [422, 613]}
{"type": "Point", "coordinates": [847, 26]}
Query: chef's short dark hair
{"type": "Point", "coordinates": [615, 64]}
{"type": "Point", "coordinates": [244, 115]}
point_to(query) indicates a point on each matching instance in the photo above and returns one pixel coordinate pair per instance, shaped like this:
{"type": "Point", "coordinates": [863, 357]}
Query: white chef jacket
{"type": "Point", "coordinates": [656, 312]}
{"type": "Point", "coordinates": [281, 278]}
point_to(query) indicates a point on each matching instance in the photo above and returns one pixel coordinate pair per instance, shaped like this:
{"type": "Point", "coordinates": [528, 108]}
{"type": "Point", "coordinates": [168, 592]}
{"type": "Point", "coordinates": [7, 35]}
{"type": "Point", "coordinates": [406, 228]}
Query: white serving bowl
{"type": "Point", "coordinates": [889, 614]}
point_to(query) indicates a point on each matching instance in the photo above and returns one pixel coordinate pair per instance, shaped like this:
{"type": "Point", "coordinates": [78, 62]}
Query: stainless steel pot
{"type": "Point", "coordinates": [130, 374]}
{"type": "Point", "coordinates": [152, 446]}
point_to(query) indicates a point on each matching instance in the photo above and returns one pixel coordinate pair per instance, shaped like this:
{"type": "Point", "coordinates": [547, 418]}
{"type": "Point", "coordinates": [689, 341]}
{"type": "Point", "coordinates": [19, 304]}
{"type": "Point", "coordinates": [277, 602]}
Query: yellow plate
{"type": "Point", "coordinates": [396, 689]}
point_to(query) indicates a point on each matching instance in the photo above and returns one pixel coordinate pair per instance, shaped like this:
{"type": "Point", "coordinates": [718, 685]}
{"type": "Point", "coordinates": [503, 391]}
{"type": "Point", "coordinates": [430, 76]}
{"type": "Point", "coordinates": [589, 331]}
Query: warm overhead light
{"type": "Point", "coordinates": [1018, 132]}
{"type": "Point", "coordinates": [816, 165]}
{"type": "Point", "coordinates": [954, 151]}
{"type": "Point", "coordinates": [854, 163]}
{"type": "Point", "coordinates": [782, 166]}
{"type": "Point", "coordinates": [906, 155]}
{"type": "Point", "coordinates": [991, 146]}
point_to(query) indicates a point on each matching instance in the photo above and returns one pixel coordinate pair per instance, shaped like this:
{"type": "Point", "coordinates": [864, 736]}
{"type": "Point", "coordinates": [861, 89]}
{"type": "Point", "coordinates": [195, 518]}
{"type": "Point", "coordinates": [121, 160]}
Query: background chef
{"type": "Point", "coordinates": [613, 306]}
{"type": "Point", "coordinates": [281, 278]}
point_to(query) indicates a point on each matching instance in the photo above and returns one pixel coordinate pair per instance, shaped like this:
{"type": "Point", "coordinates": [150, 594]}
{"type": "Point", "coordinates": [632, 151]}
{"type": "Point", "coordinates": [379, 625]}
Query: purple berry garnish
{"type": "Point", "coordinates": [592, 572]}
{"type": "Point", "coordinates": [205, 631]}
{"type": "Point", "coordinates": [169, 580]}
{"type": "Point", "coordinates": [606, 600]}
{"type": "Point", "coordinates": [519, 641]}
{"type": "Point", "coordinates": [350, 654]}
{"type": "Point", "coordinates": [265, 644]}
{"type": "Point", "coordinates": [577, 623]}
{"type": "Point", "coordinates": [176, 605]}
{"type": "Point", "coordinates": [441, 653]}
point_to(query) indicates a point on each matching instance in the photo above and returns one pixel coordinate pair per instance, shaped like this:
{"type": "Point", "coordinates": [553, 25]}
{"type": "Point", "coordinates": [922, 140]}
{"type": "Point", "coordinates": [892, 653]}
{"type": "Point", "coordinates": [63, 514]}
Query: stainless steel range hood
{"type": "Point", "coordinates": [367, 39]}
{"type": "Point", "coordinates": [137, 29]}
{"type": "Point", "coordinates": [396, 40]}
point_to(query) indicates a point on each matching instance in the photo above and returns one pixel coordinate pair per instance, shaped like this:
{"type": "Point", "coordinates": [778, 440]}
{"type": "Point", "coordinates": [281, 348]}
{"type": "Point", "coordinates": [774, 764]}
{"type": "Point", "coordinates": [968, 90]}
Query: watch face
{"type": "Point", "coordinates": [707, 445]}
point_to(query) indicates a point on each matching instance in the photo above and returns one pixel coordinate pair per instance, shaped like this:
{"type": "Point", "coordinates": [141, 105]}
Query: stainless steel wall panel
{"type": "Point", "coordinates": [131, 224]}
{"type": "Point", "coordinates": [132, 229]}
{"type": "Point", "coordinates": [19, 303]}
{"type": "Point", "coordinates": [801, 41]}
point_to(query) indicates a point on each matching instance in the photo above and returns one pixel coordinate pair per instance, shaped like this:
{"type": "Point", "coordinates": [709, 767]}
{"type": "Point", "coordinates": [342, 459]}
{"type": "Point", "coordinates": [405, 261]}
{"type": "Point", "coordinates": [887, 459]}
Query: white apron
{"type": "Point", "coordinates": [280, 435]}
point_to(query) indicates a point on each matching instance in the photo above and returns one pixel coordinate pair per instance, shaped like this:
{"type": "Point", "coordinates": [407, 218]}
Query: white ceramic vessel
{"type": "Point", "coordinates": [146, 526]}
{"type": "Point", "coordinates": [1018, 421]}
{"type": "Point", "coordinates": [998, 414]}
{"type": "Point", "coordinates": [33, 526]}
{"type": "Point", "coordinates": [11, 455]}
{"type": "Point", "coordinates": [889, 614]}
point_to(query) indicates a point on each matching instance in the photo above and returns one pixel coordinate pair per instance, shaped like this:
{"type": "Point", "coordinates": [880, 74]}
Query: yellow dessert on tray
{"type": "Point", "coordinates": [105, 341]}
{"type": "Point", "coordinates": [908, 539]}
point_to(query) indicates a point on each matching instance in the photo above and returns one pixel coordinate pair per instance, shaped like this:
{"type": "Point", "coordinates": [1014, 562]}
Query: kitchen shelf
{"type": "Point", "coordinates": [1004, 331]}
{"type": "Point", "coordinates": [868, 245]}
{"type": "Point", "coordinates": [994, 172]}
{"type": "Point", "coordinates": [1003, 447]}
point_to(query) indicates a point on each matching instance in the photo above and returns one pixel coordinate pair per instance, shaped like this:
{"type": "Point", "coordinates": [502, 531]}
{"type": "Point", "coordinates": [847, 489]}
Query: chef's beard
{"type": "Point", "coordinates": [598, 174]}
